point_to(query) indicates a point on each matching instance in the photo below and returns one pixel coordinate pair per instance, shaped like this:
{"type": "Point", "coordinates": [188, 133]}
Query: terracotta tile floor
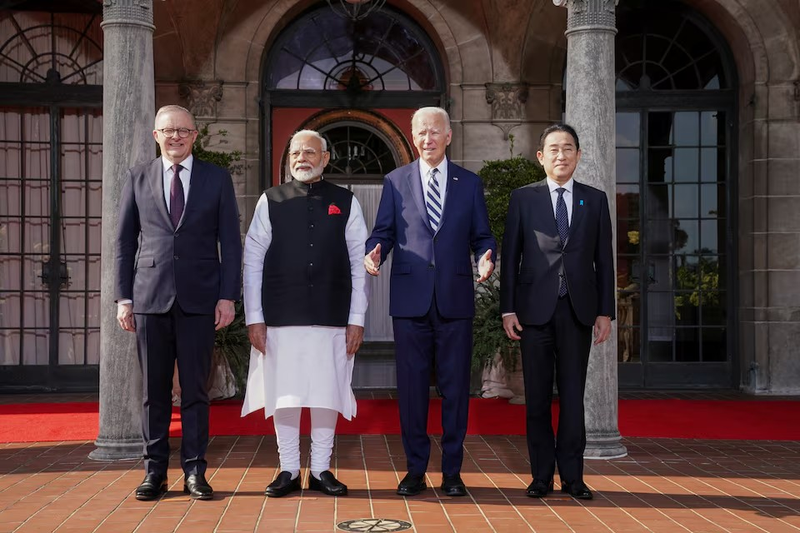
{"type": "Point", "coordinates": [664, 485]}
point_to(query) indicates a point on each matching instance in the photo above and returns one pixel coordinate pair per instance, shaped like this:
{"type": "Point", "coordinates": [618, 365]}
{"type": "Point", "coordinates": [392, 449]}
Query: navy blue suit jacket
{"type": "Point", "coordinates": [197, 263]}
{"type": "Point", "coordinates": [532, 256]}
{"type": "Point", "coordinates": [425, 263]}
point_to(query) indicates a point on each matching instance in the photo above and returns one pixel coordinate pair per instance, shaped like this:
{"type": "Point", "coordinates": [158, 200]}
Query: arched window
{"type": "Point", "coordinates": [670, 51]}
{"type": "Point", "coordinates": [676, 106]}
{"type": "Point", "coordinates": [323, 51]}
{"type": "Point", "coordinates": [51, 133]}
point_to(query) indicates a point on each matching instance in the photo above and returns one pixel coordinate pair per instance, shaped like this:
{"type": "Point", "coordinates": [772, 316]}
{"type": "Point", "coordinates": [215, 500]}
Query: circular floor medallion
{"type": "Point", "coordinates": [374, 525]}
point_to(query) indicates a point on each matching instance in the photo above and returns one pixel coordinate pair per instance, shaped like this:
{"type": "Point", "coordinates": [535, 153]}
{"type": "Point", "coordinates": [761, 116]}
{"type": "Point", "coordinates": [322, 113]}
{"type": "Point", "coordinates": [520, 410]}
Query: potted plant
{"type": "Point", "coordinates": [492, 351]}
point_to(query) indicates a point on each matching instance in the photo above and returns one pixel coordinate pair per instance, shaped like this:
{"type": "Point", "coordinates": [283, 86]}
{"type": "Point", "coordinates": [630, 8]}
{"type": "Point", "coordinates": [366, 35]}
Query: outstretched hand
{"type": "Point", "coordinates": [372, 261]}
{"type": "Point", "coordinates": [485, 266]}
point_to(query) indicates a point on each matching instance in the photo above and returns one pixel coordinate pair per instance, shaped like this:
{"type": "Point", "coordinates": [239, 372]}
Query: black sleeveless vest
{"type": "Point", "coordinates": [306, 279]}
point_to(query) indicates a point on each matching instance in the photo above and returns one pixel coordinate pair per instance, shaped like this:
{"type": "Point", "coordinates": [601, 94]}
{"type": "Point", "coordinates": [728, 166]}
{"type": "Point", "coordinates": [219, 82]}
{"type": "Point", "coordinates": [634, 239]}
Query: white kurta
{"type": "Point", "coordinates": [305, 366]}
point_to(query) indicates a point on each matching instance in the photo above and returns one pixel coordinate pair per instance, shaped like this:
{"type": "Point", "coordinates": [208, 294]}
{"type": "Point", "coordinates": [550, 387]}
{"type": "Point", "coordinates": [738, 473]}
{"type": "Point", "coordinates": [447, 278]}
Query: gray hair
{"type": "Point", "coordinates": [174, 109]}
{"type": "Point", "coordinates": [431, 111]}
{"type": "Point", "coordinates": [311, 133]}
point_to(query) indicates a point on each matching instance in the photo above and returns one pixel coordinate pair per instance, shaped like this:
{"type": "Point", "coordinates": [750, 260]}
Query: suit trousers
{"type": "Point", "coordinates": [419, 343]}
{"type": "Point", "coordinates": [563, 345]}
{"type": "Point", "coordinates": [161, 339]}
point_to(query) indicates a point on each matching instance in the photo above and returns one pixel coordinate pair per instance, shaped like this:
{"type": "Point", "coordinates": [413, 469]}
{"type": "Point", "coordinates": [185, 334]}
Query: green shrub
{"type": "Point", "coordinates": [499, 177]}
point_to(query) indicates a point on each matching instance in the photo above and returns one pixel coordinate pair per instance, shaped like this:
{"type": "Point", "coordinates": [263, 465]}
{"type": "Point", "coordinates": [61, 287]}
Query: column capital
{"type": "Point", "coordinates": [596, 15]}
{"type": "Point", "coordinates": [128, 12]}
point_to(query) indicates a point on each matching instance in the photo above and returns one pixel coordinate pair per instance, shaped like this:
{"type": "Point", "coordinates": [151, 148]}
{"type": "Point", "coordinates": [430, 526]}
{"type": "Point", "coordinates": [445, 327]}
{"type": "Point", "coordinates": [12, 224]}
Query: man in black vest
{"type": "Point", "coordinates": [305, 303]}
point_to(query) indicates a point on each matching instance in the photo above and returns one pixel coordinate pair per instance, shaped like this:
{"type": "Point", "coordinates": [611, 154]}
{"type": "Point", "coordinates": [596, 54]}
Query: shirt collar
{"type": "Point", "coordinates": [186, 163]}
{"type": "Point", "coordinates": [424, 168]}
{"type": "Point", "coordinates": [552, 185]}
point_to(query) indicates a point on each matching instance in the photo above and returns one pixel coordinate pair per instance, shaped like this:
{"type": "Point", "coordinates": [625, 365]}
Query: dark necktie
{"type": "Point", "coordinates": [434, 200]}
{"type": "Point", "coordinates": [176, 198]}
{"type": "Point", "coordinates": [562, 223]}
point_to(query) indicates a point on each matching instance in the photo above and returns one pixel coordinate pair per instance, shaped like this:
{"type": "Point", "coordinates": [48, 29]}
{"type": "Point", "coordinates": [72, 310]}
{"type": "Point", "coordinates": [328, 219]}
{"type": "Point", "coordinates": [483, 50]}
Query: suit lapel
{"type": "Point", "coordinates": [452, 190]}
{"type": "Point", "coordinates": [415, 183]}
{"type": "Point", "coordinates": [156, 180]}
{"type": "Point", "coordinates": [578, 208]}
{"type": "Point", "coordinates": [197, 182]}
{"type": "Point", "coordinates": [545, 208]}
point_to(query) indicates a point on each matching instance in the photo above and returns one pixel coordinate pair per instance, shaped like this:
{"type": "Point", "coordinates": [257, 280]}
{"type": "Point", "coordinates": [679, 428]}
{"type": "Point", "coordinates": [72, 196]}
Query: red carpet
{"type": "Point", "coordinates": [683, 419]}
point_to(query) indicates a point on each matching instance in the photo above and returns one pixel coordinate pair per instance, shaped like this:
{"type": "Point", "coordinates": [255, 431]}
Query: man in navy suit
{"type": "Point", "coordinates": [178, 262]}
{"type": "Point", "coordinates": [433, 214]}
{"type": "Point", "coordinates": [556, 289]}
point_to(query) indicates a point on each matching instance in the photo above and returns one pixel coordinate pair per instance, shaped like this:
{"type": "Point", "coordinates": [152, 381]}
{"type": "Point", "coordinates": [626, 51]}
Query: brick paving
{"type": "Point", "coordinates": [663, 485]}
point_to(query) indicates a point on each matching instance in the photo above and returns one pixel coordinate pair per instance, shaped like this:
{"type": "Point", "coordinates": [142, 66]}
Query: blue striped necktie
{"type": "Point", "coordinates": [434, 200]}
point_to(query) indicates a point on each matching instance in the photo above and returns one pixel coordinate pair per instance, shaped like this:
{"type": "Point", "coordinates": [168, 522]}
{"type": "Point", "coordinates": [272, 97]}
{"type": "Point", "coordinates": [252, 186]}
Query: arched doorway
{"type": "Point", "coordinates": [357, 83]}
{"type": "Point", "coordinates": [51, 137]}
{"type": "Point", "coordinates": [676, 117]}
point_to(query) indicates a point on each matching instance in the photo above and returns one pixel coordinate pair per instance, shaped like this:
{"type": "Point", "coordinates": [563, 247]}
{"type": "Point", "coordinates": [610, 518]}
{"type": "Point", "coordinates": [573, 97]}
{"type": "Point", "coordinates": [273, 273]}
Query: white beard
{"type": "Point", "coordinates": [308, 175]}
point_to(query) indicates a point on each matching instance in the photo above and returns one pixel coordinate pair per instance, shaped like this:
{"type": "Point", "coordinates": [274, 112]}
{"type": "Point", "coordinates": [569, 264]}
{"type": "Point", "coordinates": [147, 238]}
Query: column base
{"type": "Point", "coordinates": [604, 447]}
{"type": "Point", "coordinates": [117, 450]}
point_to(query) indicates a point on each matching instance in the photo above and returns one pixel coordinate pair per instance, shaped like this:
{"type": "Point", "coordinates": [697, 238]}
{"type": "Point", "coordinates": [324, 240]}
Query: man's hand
{"type": "Point", "coordinates": [258, 336]}
{"type": "Point", "coordinates": [125, 317]}
{"type": "Point", "coordinates": [223, 314]}
{"type": "Point", "coordinates": [512, 326]}
{"type": "Point", "coordinates": [372, 261]}
{"type": "Point", "coordinates": [353, 336]}
{"type": "Point", "coordinates": [602, 329]}
{"type": "Point", "coordinates": [485, 266]}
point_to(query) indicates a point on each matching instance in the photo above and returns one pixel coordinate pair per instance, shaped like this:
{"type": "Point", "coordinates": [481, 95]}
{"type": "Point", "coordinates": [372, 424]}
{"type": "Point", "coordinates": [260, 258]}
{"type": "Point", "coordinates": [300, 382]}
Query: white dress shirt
{"type": "Point", "coordinates": [186, 174]}
{"type": "Point", "coordinates": [441, 179]}
{"type": "Point", "coordinates": [552, 185]}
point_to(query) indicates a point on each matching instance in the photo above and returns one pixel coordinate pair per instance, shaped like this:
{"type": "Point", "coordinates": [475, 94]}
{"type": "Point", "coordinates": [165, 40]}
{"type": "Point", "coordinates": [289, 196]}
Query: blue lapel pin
{"type": "Point", "coordinates": [580, 202]}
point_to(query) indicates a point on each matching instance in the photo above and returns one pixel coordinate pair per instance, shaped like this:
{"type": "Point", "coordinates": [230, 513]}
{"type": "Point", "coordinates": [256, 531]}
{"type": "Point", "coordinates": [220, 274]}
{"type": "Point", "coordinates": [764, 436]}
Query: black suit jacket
{"type": "Point", "coordinates": [532, 256]}
{"type": "Point", "coordinates": [197, 263]}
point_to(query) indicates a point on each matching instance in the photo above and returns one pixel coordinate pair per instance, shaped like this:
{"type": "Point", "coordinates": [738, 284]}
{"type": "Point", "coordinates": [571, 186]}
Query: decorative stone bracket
{"type": "Point", "coordinates": [508, 104]}
{"type": "Point", "coordinates": [201, 98]}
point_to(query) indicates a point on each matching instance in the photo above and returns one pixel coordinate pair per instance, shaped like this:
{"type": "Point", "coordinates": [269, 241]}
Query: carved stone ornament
{"type": "Point", "coordinates": [589, 14]}
{"type": "Point", "coordinates": [130, 12]}
{"type": "Point", "coordinates": [201, 98]}
{"type": "Point", "coordinates": [507, 100]}
{"type": "Point", "coordinates": [508, 104]}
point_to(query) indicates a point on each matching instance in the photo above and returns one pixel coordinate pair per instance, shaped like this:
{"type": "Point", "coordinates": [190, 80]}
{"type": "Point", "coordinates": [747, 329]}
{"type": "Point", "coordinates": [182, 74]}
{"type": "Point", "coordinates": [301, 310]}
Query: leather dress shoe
{"type": "Point", "coordinates": [539, 488]}
{"type": "Point", "coordinates": [453, 485]}
{"type": "Point", "coordinates": [283, 485]}
{"type": "Point", "coordinates": [197, 487]}
{"type": "Point", "coordinates": [411, 485]}
{"type": "Point", "coordinates": [153, 486]}
{"type": "Point", "coordinates": [327, 484]}
{"type": "Point", "coordinates": [578, 490]}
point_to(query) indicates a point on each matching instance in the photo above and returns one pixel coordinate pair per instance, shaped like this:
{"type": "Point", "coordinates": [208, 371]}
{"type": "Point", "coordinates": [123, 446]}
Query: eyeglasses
{"type": "Point", "coordinates": [308, 153]}
{"type": "Point", "coordinates": [182, 132]}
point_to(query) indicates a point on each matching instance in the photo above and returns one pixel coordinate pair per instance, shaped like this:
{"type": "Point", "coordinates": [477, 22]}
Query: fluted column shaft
{"type": "Point", "coordinates": [128, 108]}
{"type": "Point", "coordinates": [591, 108]}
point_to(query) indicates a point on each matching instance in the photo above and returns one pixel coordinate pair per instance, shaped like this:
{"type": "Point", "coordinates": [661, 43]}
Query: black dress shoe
{"type": "Point", "coordinates": [577, 489]}
{"type": "Point", "coordinates": [283, 485]}
{"type": "Point", "coordinates": [539, 488]}
{"type": "Point", "coordinates": [153, 486]}
{"type": "Point", "coordinates": [327, 484]}
{"type": "Point", "coordinates": [197, 487]}
{"type": "Point", "coordinates": [411, 485]}
{"type": "Point", "coordinates": [453, 486]}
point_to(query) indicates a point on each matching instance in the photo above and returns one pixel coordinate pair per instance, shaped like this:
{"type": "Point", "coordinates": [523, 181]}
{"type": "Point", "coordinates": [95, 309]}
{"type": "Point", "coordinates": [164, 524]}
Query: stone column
{"type": "Point", "coordinates": [591, 26]}
{"type": "Point", "coordinates": [128, 109]}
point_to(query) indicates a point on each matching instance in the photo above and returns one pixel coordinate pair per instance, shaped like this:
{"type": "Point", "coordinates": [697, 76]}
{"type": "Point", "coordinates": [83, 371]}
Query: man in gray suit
{"type": "Point", "coordinates": [178, 262]}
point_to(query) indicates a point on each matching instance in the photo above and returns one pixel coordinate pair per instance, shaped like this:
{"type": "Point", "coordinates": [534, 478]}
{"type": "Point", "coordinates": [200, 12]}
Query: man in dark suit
{"type": "Point", "coordinates": [433, 214]}
{"type": "Point", "coordinates": [557, 286]}
{"type": "Point", "coordinates": [178, 262]}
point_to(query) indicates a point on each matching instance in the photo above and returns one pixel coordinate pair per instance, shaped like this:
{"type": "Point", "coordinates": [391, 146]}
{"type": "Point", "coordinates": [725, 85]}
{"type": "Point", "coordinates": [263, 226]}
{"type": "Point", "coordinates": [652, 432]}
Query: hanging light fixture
{"type": "Point", "coordinates": [355, 9]}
